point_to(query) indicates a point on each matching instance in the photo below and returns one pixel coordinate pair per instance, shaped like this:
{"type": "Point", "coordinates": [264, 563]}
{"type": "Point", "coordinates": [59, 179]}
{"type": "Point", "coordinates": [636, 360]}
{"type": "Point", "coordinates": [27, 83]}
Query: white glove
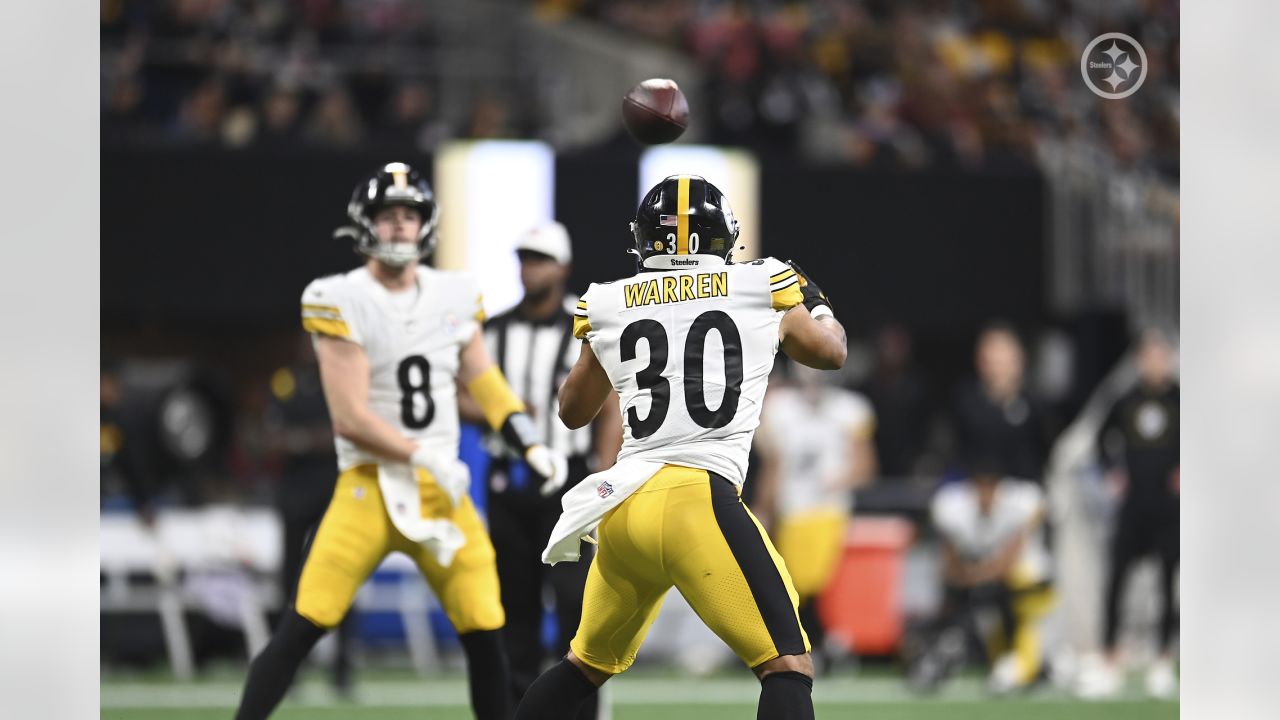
{"type": "Point", "coordinates": [549, 464]}
{"type": "Point", "coordinates": [450, 473]}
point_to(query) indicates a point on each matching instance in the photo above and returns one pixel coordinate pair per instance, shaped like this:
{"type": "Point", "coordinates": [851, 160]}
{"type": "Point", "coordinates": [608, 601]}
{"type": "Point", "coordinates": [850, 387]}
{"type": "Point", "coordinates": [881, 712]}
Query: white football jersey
{"type": "Point", "coordinates": [1018, 505]}
{"type": "Point", "coordinates": [412, 341]}
{"type": "Point", "coordinates": [812, 438]}
{"type": "Point", "coordinates": [689, 352]}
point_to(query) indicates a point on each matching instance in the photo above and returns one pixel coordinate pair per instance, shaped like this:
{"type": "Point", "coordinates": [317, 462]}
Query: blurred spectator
{"type": "Point", "coordinates": [128, 450]}
{"type": "Point", "coordinates": [200, 118]}
{"type": "Point", "coordinates": [412, 121]}
{"type": "Point", "coordinates": [994, 556]}
{"type": "Point", "coordinates": [281, 116]}
{"type": "Point", "coordinates": [334, 120]}
{"type": "Point", "coordinates": [298, 428]}
{"type": "Point", "coordinates": [1138, 445]}
{"type": "Point", "coordinates": [489, 119]}
{"type": "Point", "coordinates": [994, 415]}
{"type": "Point", "coordinates": [815, 448]}
{"type": "Point", "coordinates": [125, 446]}
{"type": "Point", "coordinates": [901, 404]}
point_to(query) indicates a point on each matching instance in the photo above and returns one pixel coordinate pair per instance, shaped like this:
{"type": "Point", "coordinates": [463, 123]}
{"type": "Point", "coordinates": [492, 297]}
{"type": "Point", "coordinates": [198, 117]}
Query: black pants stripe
{"type": "Point", "coordinates": [767, 586]}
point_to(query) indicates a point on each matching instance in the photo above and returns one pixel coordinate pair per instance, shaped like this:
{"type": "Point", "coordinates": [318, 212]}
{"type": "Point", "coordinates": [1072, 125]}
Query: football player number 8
{"type": "Point", "coordinates": [695, 398]}
{"type": "Point", "coordinates": [412, 386]}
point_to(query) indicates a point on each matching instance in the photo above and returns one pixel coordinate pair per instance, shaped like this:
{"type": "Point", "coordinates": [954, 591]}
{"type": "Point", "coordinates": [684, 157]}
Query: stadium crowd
{"type": "Point", "coordinates": [871, 83]}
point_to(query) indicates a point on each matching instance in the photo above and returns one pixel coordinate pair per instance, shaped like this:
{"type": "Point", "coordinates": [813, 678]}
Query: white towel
{"type": "Point", "coordinates": [588, 501]}
{"type": "Point", "coordinates": [399, 485]}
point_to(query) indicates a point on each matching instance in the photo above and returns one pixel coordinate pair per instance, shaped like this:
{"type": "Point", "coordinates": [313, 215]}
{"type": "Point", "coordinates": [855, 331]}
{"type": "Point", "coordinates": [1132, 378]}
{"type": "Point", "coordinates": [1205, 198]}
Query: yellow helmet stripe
{"type": "Point", "coordinates": [682, 215]}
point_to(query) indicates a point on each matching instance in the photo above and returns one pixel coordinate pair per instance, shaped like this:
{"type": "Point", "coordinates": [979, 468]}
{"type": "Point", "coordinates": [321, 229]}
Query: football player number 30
{"type": "Point", "coordinates": [414, 375]}
{"type": "Point", "coordinates": [695, 398]}
{"type": "Point", "coordinates": [671, 243]}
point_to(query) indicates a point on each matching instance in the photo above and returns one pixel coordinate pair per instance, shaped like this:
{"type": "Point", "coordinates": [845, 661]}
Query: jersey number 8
{"type": "Point", "coordinates": [411, 388]}
{"type": "Point", "coordinates": [650, 378]}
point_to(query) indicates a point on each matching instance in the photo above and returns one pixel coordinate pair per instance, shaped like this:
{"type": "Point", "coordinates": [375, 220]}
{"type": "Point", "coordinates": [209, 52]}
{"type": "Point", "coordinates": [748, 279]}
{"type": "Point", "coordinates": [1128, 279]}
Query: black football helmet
{"type": "Point", "coordinates": [684, 221]}
{"type": "Point", "coordinates": [392, 184]}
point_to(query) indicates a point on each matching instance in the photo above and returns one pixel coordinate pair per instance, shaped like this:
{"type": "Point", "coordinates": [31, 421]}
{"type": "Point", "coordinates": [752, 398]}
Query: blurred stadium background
{"type": "Point", "coordinates": [939, 165]}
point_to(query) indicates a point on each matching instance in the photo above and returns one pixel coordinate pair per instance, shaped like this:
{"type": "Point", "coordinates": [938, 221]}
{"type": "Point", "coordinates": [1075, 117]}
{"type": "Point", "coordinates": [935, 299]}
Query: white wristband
{"type": "Point", "coordinates": [820, 311]}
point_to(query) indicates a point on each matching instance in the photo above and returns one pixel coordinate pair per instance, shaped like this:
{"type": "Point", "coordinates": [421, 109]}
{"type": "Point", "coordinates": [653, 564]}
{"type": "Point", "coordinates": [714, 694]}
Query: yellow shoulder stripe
{"type": "Point", "coordinates": [787, 298]}
{"type": "Point", "coordinates": [322, 308]}
{"type": "Point", "coordinates": [581, 326]}
{"type": "Point", "coordinates": [326, 326]}
{"type": "Point", "coordinates": [782, 275]}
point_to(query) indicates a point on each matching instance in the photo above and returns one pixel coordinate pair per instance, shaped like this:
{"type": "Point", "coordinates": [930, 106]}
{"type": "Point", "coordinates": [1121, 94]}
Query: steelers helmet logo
{"type": "Point", "coordinates": [1151, 420]}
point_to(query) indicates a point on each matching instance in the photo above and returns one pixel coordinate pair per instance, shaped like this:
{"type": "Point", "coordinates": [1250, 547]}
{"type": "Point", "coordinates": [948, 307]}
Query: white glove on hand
{"type": "Point", "coordinates": [549, 464]}
{"type": "Point", "coordinates": [450, 473]}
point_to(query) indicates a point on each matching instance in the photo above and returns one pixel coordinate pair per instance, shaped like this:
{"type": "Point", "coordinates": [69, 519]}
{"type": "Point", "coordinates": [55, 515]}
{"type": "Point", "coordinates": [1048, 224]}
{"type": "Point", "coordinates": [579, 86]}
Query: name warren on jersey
{"type": "Point", "coordinates": [689, 352]}
{"type": "Point", "coordinates": [412, 341]}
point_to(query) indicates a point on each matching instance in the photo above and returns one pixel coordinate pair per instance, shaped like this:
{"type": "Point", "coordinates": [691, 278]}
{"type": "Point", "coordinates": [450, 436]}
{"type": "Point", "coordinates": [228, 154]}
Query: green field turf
{"type": "Point", "coordinates": [658, 695]}
{"type": "Point", "coordinates": [1015, 710]}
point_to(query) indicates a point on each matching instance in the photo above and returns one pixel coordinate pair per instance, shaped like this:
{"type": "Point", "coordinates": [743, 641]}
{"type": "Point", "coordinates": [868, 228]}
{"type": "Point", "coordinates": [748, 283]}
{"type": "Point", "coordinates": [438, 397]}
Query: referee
{"type": "Point", "coordinates": [533, 345]}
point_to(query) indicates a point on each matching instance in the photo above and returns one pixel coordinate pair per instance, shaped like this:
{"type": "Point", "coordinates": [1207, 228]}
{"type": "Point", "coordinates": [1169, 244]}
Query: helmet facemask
{"type": "Point", "coordinates": [394, 184]}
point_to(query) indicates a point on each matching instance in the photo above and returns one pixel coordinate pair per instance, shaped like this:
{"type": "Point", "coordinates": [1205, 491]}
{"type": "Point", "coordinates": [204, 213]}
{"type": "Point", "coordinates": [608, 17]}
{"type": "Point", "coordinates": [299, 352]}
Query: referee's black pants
{"type": "Point", "coordinates": [520, 524]}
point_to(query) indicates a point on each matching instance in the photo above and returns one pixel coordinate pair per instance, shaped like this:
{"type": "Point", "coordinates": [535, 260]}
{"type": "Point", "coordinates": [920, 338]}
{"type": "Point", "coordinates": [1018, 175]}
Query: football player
{"type": "Point", "coordinates": [994, 554]}
{"type": "Point", "coordinates": [815, 447]}
{"type": "Point", "coordinates": [688, 344]}
{"type": "Point", "coordinates": [393, 339]}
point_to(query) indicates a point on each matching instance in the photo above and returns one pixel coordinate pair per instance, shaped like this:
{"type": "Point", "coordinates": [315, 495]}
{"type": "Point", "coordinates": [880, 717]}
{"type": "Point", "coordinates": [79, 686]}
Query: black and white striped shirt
{"type": "Point", "coordinates": [535, 356]}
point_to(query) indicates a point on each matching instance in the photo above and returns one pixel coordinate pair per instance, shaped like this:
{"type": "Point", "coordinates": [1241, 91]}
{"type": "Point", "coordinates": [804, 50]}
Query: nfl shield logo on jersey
{"type": "Point", "coordinates": [604, 489]}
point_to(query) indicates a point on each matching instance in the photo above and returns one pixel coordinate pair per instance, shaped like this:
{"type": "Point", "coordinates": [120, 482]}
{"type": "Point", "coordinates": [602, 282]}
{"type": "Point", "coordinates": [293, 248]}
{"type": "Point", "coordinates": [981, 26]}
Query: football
{"type": "Point", "coordinates": [655, 111]}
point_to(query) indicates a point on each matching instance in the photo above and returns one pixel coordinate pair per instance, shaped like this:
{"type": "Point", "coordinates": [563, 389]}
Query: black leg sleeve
{"type": "Point", "coordinates": [272, 671]}
{"type": "Point", "coordinates": [557, 694]}
{"type": "Point", "coordinates": [567, 580]}
{"type": "Point", "coordinates": [786, 696]}
{"type": "Point", "coordinates": [487, 674]}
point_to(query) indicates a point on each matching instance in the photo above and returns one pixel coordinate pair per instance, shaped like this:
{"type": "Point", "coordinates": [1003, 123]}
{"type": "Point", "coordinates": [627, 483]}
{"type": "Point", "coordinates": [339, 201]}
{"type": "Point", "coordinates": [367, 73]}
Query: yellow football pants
{"type": "Point", "coordinates": [1030, 606]}
{"type": "Point", "coordinates": [810, 543]}
{"type": "Point", "coordinates": [687, 528]}
{"type": "Point", "coordinates": [356, 534]}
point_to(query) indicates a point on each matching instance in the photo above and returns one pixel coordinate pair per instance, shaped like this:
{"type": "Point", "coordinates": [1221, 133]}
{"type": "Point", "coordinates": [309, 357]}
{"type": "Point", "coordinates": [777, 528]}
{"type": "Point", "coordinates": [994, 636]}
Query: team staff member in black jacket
{"type": "Point", "coordinates": [1139, 448]}
{"type": "Point", "coordinates": [995, 415]}
{"type": "Point", "coordinates": [533, 345]}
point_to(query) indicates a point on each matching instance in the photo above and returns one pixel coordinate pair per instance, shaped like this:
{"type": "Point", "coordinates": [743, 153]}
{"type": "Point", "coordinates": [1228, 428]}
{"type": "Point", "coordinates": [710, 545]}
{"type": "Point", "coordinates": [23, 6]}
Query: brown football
{"type": "Point", "coordinates": [655, 111]}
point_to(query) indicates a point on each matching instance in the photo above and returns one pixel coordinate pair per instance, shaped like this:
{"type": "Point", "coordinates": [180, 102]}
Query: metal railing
{"type": "Point", "coordinates": [1113, 235]}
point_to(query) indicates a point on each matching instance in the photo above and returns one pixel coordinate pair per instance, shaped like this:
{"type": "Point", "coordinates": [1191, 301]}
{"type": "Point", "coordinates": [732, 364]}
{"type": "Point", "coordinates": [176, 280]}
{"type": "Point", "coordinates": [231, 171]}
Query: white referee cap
{"type": "Point", "coordinates": [549, 238]}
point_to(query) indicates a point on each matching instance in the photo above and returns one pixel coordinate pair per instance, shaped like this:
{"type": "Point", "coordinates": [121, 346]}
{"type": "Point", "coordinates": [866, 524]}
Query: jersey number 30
{"type": "Point", "coordinates": [411, 388]}
{"type": "Point", "coordinates": [695, 397]}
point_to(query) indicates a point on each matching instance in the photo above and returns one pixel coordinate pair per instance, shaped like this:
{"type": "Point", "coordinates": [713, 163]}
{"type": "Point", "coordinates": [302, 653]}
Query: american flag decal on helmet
{"type": "Point", "coordinates": [668, 220]}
